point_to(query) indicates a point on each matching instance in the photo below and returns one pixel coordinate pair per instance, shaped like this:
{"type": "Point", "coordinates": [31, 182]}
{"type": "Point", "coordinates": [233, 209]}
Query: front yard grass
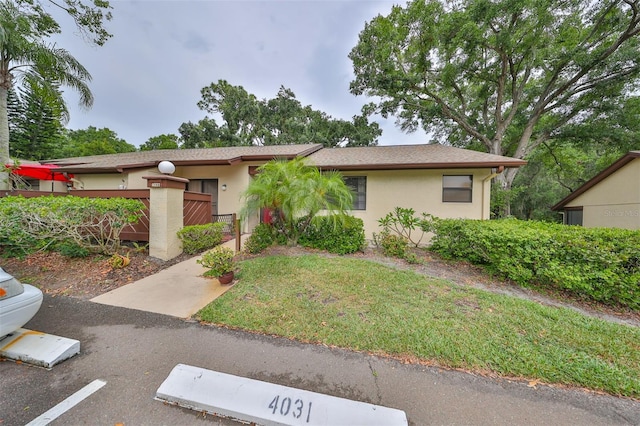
{"type": "Point", "coordinates": [365, 306]}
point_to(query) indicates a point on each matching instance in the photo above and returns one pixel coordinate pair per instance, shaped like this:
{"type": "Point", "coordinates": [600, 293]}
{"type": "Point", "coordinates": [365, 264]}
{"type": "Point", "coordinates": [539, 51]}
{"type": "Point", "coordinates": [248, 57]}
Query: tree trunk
{"type": "Point", "coordinates": [505, 182]}
{"type": "Point", "coordinates": [506, 178]}
{"type": "Point", "coordinates": [4, 138]}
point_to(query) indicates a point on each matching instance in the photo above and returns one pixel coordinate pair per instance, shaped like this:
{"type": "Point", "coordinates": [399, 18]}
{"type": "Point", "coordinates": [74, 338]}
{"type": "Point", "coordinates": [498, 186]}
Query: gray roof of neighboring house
{"type": "Point", "coordinates": [356, 158]}
{"type": "Point", "coordinates": [388, 157]}
{"type": "Point", "coordinates": [617, 165]}
{"type": "Point", "coordinates": [179, 157]}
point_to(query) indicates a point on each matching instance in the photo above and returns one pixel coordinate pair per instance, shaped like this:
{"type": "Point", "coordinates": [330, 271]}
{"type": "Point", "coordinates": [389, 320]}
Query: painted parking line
{"type": "Point", "coordinates": [52, 414]}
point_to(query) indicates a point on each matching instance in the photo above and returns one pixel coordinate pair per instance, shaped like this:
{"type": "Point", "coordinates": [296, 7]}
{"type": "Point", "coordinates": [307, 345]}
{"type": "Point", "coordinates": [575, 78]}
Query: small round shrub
{"type": "Point", "coordinates": [340, 234]}
{"type": "Point", "coordinates": [71, 249]}
{"type": "Point", "coordinates": [261, 238]}
{"type": "Point", "coordinates": [393, 245]}
{"type": "Point", "coordinates": [198, 238]}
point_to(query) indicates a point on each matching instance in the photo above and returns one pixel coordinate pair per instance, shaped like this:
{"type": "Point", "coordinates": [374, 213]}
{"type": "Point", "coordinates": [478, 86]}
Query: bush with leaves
{"type": "Point", "coordinates": [296, 193]}
{"type": "Point", "coordinates": [262, 237]}
{"type": "Point", "coordinates": [392, 245]}
{"type": "Point", "coordinates": [404, 223]}
{"type": "Point", "coordinates": [29, 224]}
{"type": "Point", "coordinates": [339, 234]}
{"type": "Point", "coordinates": [15, 238]}
{"type": "Point", "coordinates": [198, 238]}
{"type": "Point", "coordinates": [71, 249]}
{"type": "Point", "coordinates": [602, 264]}
{"type": "Point", "coordinates": [218, 261]}
{"type": "Point", "coordinates": [399, 230]}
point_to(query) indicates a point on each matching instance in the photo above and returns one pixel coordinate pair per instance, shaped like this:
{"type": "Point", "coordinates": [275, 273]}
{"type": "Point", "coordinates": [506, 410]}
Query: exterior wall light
{"type": "Point", "coordinates": [166, 167]}
{"type": "Point", "coordinates": [224, 186]}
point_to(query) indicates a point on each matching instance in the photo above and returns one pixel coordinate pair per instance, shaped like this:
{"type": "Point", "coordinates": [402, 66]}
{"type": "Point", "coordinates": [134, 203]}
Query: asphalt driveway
{"type": "Point", "coordinates": [134, 351]}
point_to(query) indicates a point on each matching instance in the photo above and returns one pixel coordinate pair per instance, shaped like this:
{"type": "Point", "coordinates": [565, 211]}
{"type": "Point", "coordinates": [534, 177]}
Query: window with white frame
{"type": "Point", "coordinates": [358, 184]}
{"type": "Point", "coordinates": [457, 188]}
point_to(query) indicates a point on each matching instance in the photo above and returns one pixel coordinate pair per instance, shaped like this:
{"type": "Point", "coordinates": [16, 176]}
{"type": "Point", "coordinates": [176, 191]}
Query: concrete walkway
{"type": "Point", "coordinates": [179, 290]}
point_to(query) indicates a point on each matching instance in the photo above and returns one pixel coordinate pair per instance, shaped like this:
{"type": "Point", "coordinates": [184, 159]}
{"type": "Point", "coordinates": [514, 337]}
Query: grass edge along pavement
{"type": "Point", "coordinates": [364, 306]}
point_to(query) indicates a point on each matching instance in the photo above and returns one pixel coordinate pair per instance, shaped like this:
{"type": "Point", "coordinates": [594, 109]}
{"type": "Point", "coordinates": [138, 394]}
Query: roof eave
{"type": "Point", "coordinates": [93, 170]}
{"type": "Point", "coordinates": [88, 169]}
{"type": "Point", "coordinates": [245, 158]}
{"type": "Point", "coordinates": [620, 163]}
{"type": "Point", "coordinates": [413, 166]}
{"type": "Point", "coordinates": [269, 157]}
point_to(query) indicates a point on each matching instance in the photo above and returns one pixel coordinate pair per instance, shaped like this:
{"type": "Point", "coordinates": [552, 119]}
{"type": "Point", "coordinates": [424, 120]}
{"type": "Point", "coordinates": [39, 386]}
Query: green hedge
{"type": "Point", "coordinates": [598, 263]}
{"type": "Point", "coordinates": [29, 224]}
{"type": "Point", "coordinates": [262, 236]}
{"type": "Point", "coordinates": [335, 234]}
{"type": "Point", "coordinates": [198, 238]}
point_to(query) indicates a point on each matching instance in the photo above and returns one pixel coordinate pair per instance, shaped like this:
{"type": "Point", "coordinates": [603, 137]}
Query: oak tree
{"type": "Point", "coordinates": [93, 141]}
{"type": "Point", "coordinates": [281, 120]}
{"type": "Point", "coordinates": [501, 75]}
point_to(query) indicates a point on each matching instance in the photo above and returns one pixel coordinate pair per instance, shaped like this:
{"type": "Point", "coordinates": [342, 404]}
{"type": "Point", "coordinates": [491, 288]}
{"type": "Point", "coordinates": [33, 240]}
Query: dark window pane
{"type": "Point", "coordinates": [574, 217]}
{"type": "Point", "coordinates": [465, 181]}
{"type": "Point", "coordinates": [456, 196]}
{"type": "Point", "coordinates": [358, 184]}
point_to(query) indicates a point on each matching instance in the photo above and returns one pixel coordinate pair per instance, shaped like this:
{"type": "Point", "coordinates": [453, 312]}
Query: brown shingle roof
{"type": "Point", "coordinates": [200, 156]}
{"type": "Point", "coordinates": [407, 157]}
{"type": "Point", "coordinates": [357, 158]}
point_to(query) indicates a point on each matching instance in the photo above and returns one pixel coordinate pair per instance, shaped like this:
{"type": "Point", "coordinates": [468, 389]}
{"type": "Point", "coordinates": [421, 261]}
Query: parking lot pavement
{"type": "Point", "coordinates": [134, 351]}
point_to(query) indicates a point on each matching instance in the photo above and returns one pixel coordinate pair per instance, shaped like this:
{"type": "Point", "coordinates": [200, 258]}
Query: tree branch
{"type": "Point", "coordinates": [452, 114]}
{"type": "Point", "coordinates": [600, 81]}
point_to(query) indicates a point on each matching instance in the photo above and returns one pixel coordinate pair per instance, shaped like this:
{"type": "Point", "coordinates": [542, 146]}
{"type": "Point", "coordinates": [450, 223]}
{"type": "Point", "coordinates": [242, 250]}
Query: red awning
{"type": "Point", "coordinates": [39, 171]}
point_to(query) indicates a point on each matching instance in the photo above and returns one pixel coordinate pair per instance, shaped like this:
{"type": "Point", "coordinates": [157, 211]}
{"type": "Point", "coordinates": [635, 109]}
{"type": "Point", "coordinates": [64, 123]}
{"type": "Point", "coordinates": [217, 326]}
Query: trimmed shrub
{"type": "Point", "coordinates": [598, 263]}
{"type": "Point", "coordinates": [198, 238]}
{"type": "Point", "coordinates": [335, 234]}
{"type": "Point", "coordinates": [30, 224]}
{"type": "Point", "coordinates": [262, 237]}
{"type": "Point", "coordinates": [71, 249]}
{"type": "Point", "coordinates": [392, 245]}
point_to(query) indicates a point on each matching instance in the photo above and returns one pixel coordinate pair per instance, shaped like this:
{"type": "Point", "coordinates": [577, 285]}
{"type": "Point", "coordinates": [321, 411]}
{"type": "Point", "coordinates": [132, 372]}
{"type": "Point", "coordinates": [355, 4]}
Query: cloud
{"type": "Point", "coordinates": [196, 42]}
{"type": "Point", "coordinates": [147, 78]}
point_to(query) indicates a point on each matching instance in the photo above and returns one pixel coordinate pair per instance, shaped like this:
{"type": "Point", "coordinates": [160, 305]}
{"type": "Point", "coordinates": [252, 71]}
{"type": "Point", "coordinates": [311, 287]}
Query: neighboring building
{"type": "Point", "coordinates": [611, 199]}
{"type": "Point", "coordinates": [436, 179]}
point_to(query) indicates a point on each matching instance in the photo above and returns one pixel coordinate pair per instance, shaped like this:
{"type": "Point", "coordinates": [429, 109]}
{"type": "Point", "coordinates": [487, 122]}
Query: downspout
{"type": "Point", "coordinates": [495, 173]}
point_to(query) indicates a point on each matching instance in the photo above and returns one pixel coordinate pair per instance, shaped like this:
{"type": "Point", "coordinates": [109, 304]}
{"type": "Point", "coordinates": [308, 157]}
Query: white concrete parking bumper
{"type": "Point", "coordinates": [266, 403]}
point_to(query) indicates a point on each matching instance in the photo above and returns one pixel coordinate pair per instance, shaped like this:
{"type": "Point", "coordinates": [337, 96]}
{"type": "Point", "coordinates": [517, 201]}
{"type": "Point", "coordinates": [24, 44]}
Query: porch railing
{"type": "Point", "coordinates": [229, 221]}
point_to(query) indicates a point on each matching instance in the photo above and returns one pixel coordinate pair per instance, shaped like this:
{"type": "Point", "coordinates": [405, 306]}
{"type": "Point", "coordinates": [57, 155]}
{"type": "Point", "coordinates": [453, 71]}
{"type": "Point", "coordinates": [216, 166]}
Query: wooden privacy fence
{"type": "Point", "coordinates": [196, 207]}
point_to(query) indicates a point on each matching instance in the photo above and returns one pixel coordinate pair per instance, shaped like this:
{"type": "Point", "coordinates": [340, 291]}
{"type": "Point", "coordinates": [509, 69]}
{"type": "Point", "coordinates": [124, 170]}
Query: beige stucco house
{"type": "Point", "coordinates": [441, 180]}
{"type": "Point", "coordinates": [611, 199]}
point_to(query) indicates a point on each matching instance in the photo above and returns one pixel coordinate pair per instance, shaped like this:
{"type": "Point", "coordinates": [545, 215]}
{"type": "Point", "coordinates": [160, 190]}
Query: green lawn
{"type": "Point", "coordinates": [365, 306]}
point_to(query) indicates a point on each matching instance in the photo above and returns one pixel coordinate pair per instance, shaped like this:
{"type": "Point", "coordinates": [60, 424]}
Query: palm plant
{"type": "Point", "coordinates": [296, 193]}
{"type": "Point", "coordinates": [25, 56]}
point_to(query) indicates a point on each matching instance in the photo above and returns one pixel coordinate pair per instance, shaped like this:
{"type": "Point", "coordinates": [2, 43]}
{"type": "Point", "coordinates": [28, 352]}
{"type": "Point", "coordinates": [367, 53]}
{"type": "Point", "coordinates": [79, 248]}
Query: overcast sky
{"type": "Point", "coordinates": [147, 78]}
